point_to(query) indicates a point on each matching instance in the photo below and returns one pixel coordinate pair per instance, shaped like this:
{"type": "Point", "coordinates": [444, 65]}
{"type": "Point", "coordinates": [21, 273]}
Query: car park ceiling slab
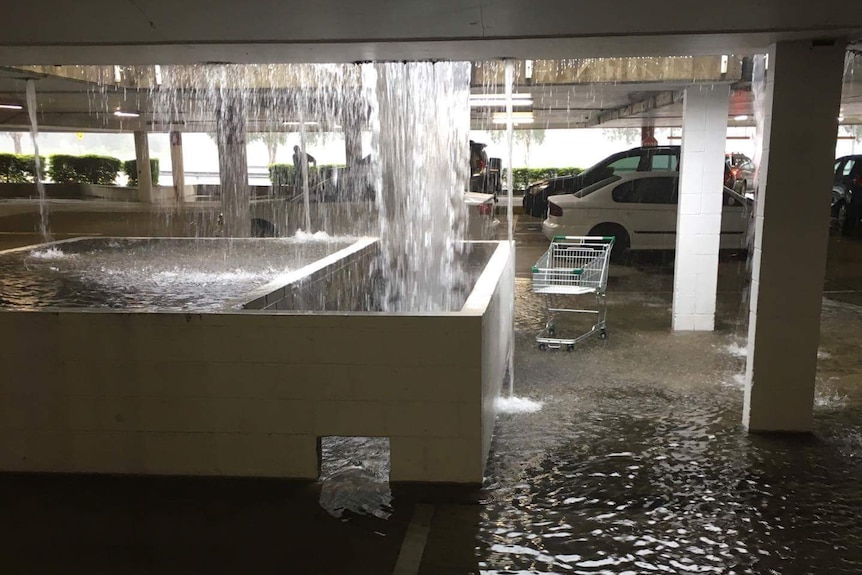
{"type": "Point", "coordinates": [264, 31]}
{"type": "Point", "coordinates": [564, 94]}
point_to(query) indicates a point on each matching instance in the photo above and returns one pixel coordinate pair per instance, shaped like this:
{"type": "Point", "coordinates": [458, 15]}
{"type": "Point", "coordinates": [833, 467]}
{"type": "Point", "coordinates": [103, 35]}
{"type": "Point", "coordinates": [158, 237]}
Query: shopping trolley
{"type": "Point", "coordinates": [573, 266]}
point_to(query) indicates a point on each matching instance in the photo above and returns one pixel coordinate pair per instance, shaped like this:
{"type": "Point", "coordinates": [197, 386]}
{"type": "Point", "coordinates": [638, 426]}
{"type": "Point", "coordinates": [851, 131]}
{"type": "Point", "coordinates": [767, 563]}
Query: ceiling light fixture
{"type": "Point", "coordinates": [122, 114]}
{"type": "Point", "coordinates": [11, 107]}
{"type": "Point", "coordinates": [517, 118]}
{"type": "Point", "coordinates": [499, 100]}
{"type": "Point", "coordinates": [740, 118]}
{"type": "Point", "coordinates": [298, 123]}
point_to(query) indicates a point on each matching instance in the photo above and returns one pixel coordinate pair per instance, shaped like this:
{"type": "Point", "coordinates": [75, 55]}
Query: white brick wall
{"type": "Point", "coordinates": [250, 393]}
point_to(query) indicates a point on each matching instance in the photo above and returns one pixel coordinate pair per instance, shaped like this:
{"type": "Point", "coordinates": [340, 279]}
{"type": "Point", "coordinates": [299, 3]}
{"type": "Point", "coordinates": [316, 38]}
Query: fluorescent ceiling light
{"type": "Point", "coordinates": [11, 106]}
{"type": "Point", "coordinates": [499, 100]}
{"type": "Point", "coordinates": [517, 118]}
{"type": "Point", "coordinates": [122, 114]}
{"type": "Point", "coordinates": [297, 123]}
{"type": "Point", "coordinates": [740, 118]}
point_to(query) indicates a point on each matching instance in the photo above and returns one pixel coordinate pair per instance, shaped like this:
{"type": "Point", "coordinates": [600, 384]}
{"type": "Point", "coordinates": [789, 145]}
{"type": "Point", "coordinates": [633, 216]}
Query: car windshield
{"type": "Point", "coordinates": [598, 185]}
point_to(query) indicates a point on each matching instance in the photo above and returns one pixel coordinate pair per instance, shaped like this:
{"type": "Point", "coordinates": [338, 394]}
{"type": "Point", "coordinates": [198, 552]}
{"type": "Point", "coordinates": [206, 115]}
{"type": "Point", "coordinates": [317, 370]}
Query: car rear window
{"type": "Point", "coordinates": [598, 185]}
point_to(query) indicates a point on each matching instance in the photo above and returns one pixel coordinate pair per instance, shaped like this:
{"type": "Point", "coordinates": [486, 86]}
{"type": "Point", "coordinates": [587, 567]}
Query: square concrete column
{"type": "Point", "coordinates": [698, 227]}
{"type": "Point", "coordinates": [142, 160]}
{"type": "Point", "coordinates": [801, 106]}
{"type": "Point", "coordinates": [233, 166]}
{"type": "Point", "coordinates": [177, 167]}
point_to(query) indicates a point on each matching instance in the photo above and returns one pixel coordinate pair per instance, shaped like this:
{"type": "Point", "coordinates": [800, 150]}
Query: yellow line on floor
{"type": "Point", "coordinates": [413, 546]}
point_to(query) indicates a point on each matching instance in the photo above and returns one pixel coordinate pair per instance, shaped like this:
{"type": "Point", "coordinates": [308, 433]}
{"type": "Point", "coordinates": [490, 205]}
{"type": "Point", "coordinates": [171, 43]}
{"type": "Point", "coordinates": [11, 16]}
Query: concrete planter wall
{"type": "Point", "coordinates": [249, 393]}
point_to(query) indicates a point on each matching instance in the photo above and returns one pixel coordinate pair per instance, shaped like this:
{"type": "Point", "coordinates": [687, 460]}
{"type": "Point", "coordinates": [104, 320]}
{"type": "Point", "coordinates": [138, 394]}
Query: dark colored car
{"type": "Point", "coordinates": [641, 159]}
{"type": "Point", "coordinates": [484, 172]}
{"type": "Point", "coordinates": [847, 192]}
{"type": "Point", "coordinates": [743, 171]}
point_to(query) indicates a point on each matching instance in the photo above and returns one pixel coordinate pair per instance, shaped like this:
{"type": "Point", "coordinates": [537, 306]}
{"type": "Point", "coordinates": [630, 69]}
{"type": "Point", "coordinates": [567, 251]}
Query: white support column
{"type": "Point", "coordinates": [142, 160]}
{"type": "Point", "coordinates": [698, 228]}
{"type": "Point", "coordinates": [177, 167]}
{"type": "Point", "coordinates": [233, 167]}
{"type": "Point", "coordinates": [791, 228]}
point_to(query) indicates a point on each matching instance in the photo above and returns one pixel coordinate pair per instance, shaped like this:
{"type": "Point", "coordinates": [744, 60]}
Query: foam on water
{"type": "Point", "coordinates": [52, 253]}
{"type": "Point", "coordinates": [304, 236]}
{"type": "Point", "coordinates": [518, 405]}
{"type": "Point", "coordinates": [737, 350]}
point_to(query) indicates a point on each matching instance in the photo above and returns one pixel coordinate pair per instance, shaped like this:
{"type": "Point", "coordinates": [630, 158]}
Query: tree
{"type": "Point", "coordinates": [855, 131]}
{"type": "Point", "coordinates": [16, 141]}
{"type": "Point", "coordinates": [272, 140]}
{"type": "Point", "coordinates": [520, 137]}
{"type": "Point", "coordinates": [626, 135]}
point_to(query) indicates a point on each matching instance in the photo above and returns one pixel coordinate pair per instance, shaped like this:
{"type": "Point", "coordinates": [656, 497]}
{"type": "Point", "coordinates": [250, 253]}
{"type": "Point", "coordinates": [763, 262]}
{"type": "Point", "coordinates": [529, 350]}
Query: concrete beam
{"type": "Point", "coordinates": [639, 108]}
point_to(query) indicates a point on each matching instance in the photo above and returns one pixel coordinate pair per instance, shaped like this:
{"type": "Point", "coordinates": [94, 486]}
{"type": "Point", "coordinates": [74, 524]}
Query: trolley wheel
{"type": "Point", "coordinates": [603, 334]}
{"type": "Point", "coordinates": [542, 347]}
{"type": "Point", "coordinates": [552, 331]}
{"type": "Point", "coordinates": [570, 347]}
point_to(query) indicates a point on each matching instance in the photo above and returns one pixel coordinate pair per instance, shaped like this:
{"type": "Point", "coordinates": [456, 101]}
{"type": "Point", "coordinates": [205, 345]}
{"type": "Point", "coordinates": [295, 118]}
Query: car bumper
{"type": "Point", "coordinates": [551, 229]}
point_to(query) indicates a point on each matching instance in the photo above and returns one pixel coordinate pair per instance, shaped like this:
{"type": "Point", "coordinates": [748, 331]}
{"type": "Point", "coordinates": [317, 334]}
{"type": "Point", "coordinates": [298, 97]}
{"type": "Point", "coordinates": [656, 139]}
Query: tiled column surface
{"type": "Point", "coordinates": [142, 159]}
{"type": "Point", "coordinates": [698, 229]}
{"type": "Point", "coordinates": [791, 228]}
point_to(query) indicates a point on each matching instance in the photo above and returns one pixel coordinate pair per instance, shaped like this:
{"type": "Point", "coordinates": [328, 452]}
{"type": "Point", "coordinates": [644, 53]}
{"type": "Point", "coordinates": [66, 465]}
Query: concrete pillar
{"type": "Point", "coordinates": [698, 227]}
{"type": "Point", "coordinates": [801, 106]}
{"type": "Point", "coordinates": [233, 166]}
{"type": "Point", "coordinates": [145, 176]}
{"type": "Point", "coordinates": [177, 167]}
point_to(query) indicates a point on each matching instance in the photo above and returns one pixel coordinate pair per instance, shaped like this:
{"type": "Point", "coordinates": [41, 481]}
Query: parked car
{"type": "Point", "coordinates": [640, 159]}
{"type": "Point", "coordinates": [639, 210]}
{"type": "Point", "coordinates": [847, 181]}
{"type": "Point", "coordinates": [743, 170]}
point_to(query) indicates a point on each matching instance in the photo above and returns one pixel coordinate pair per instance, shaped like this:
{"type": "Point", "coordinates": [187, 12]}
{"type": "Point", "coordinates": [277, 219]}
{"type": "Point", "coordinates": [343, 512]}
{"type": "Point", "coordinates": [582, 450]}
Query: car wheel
{"type": "Point", "coordinates": [621, 239]}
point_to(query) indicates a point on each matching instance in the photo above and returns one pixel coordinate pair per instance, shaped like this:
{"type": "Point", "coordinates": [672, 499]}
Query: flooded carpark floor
{"type": "Point", "coordinates": [636, 463]}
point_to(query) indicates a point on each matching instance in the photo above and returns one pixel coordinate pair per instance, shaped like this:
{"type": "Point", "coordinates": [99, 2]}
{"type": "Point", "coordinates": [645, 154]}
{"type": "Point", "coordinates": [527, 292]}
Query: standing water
{"type": "Point", "coordinates": [40, 186]}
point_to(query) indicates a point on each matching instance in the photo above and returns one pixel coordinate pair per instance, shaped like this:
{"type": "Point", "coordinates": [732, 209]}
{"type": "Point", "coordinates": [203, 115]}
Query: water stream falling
{"type": "Point", "coordinates": [44, 228]}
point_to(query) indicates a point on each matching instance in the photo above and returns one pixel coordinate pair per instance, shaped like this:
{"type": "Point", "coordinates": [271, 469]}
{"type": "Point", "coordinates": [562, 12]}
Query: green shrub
{"type": "Point", "coordinates": [19, 168]}
{"type": "Point", "coordinates": [523, 177]}
{"type": "Point", "coordinates": [88, 169]}
{"type": "Point", "coordinates": [130, 168]}
{"type": "Point", "coordinates": [281, 174]}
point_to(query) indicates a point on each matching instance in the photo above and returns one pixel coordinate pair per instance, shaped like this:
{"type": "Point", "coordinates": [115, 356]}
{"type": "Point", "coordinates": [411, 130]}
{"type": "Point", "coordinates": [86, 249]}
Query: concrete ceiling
{"type": "Point", "coordinates": [565, 94]}
{"type": "Point", "coordinates": [271, 31]}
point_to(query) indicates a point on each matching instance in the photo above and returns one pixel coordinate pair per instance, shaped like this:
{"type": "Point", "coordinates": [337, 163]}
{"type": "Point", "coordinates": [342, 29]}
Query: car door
{"type": "Point", "coordinates": [735, 218]}
{"type": "Point", "coordinates": [647, 208]}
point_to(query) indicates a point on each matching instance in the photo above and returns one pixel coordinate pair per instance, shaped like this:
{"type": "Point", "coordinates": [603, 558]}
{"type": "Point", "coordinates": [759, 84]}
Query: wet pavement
{"type": "Point", "coordinates": [636, 463]}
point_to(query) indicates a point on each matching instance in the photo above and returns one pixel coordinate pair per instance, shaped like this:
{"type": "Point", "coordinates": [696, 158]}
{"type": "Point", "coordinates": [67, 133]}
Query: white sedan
{"type": "Point", "coordinates": [639, 210]}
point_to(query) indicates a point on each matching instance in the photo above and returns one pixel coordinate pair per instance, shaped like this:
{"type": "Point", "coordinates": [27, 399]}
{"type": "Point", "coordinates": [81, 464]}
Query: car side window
{"type": "Point", "coordinates": [848, 167]}
{"type": "Point", "coordinates": [656, 190]}
{"type": "Point", "coordinates": [647, 191]}
{"type": "Point", "coordinates": [664, 162]}
{"type": "Point", "coordinates": [624, 193]}
{"type": "Point", "coordinates": [625, 165]}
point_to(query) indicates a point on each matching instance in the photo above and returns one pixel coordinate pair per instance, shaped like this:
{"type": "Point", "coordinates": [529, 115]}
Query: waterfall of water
{"type": "Point", "coordinates": [420, 132]}
{"type": "Point", "coordinates": [510, 138]}
{"type": "Point", "coordinates": [44, 229]}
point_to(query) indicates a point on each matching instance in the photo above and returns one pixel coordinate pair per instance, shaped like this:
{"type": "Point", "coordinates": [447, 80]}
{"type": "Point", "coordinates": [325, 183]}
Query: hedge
{"type": "Point", "coordinates": [130, 167]}
{"type": "Point", "coordinates": [19, 168]}
{"type": "Point", "coordinates": [84, 169]}
{"type": "Point", "coordinates": [283, 174]}
{"type": "Point", "coordinates": [523, 177]}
